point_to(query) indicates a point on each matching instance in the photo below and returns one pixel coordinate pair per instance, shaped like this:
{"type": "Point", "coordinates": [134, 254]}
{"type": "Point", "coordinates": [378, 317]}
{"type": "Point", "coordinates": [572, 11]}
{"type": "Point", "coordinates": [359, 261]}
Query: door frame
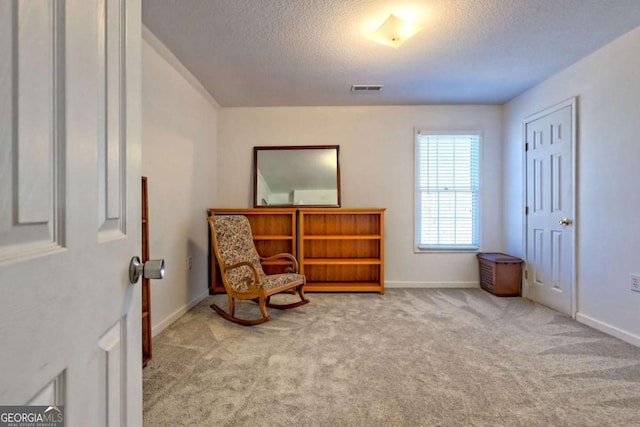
{"type": "Point", "coordinates": [573, 103]}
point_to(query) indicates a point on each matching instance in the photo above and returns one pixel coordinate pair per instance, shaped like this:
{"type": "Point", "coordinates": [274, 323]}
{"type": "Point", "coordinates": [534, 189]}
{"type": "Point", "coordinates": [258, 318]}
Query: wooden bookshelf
{"type": "Point", "coordinates": [342, 250]}
{"type": "Point", "coordinates": [339, 249]}
{"type": "Point", "coordinates": [146, 291]}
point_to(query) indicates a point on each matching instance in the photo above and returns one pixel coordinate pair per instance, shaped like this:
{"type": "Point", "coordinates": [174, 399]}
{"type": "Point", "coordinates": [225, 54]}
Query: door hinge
{"type": "Point", "coordinates": [526, 210]}
{"type": "Point", "coordinates": [526, 273]}
{"type": "Point", "coordinates": [526, 146]}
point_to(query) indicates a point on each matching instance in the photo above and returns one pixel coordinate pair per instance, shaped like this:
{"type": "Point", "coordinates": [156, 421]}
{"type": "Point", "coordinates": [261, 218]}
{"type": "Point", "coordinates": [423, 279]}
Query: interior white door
{"type": "Point", "coordinates": [70, 208]}
{"type": "Point", "coordinates": [550, 255]}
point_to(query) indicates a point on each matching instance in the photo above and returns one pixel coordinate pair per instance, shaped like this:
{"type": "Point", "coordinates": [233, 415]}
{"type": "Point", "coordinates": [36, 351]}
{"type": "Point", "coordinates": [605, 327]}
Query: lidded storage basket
{"type": "Point", "coordinates": [500, 274]}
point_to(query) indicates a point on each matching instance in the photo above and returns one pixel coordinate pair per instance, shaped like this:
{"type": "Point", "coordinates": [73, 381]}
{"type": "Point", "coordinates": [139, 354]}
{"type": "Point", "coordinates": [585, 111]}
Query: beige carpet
{"type": "Point", "coordinates": [408, 358]}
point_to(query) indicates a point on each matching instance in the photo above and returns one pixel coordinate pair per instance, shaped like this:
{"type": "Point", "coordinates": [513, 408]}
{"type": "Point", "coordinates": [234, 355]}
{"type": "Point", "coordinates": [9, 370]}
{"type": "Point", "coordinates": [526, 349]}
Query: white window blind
{"type": "Point", "coordinates": [447, 183]}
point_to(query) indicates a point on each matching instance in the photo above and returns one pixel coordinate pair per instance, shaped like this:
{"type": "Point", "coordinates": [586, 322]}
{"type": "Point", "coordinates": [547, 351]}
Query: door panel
{"type": "Point", "coordinates": [112, 344]}
{"type": "Point", "coordinates": [538, 257]}
{"type": "Point", "coordinates": [556, 182]}
{"type": "Point", "coordinates": [556, 261]}
{"type": "Point", "coordinates": [31, 184]}
{"type": "Point", "coordinates": [550, 252]}
{"type": "Point", "coordinates": [63, 285]}
{"type": "Point", "coordinates": [112, 138]}
{"type": "Point", "coordinates": [538, 189]}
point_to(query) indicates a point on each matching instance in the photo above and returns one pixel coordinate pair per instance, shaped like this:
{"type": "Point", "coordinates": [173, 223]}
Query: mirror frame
{"type": "Point", "coordinates": [256, 150]}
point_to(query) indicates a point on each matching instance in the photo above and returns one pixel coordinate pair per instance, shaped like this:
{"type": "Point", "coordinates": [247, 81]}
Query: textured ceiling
{"type": "Point", "coordinates": [310, 52]}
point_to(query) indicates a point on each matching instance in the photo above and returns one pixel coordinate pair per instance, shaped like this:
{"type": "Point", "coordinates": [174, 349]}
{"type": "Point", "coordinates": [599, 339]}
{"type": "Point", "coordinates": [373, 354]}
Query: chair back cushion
{"type": "Point", "coordinates": [235, 244]}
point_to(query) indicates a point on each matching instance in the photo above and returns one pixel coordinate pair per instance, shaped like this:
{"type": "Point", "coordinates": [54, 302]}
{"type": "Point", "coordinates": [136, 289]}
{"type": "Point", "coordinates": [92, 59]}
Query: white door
{"type": "Point", "coordinates": [70, 208]}
{"type": "Point", "coordinates": [550, 255]}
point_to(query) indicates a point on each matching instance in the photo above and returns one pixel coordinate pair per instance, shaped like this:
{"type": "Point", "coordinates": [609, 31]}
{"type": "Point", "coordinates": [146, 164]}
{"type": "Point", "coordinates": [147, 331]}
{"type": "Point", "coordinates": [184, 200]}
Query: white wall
{"type": "Point", "coordinates": [377, 166]}
{"type": "Point", "coordinates": [179, 151]}
{"type": "Point", "coordinates": [608, 201]}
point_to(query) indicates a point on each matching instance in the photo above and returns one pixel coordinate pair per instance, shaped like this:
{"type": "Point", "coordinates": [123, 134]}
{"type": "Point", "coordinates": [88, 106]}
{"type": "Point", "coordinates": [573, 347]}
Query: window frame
{"type": "Point", "coordinates": [442, 248]}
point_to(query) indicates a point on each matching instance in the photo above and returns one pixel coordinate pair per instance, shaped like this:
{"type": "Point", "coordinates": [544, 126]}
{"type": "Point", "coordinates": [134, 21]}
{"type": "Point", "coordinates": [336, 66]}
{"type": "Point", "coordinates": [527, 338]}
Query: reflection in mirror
{"type": "Point", "coordinates": [296, 175]}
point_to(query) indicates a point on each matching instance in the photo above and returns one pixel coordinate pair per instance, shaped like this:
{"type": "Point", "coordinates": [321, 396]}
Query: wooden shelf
{"type": "Point", "coordinates": [343, 237]}
{"type": "Point", "coordinates": [340, 250]}
{"type": "Point", "coordinates": [146, 288]}
{"type": "Point", "coordinates": [276, 262]}
{"type": "Point", "coordinates": [273, 237]}
{"type": "Point", "coordinates": [342, 261]}
{"type": "Point", "coordinates": [343, 287]}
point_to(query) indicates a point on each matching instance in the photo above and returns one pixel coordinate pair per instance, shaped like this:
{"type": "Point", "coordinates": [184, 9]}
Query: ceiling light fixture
{"type": "Point", "coordinates": [395, 31]}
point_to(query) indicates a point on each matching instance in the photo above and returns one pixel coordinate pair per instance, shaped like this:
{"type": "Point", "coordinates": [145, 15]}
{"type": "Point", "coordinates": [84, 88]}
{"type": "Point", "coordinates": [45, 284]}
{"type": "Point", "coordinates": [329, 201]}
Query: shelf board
{"type": "Point", "coordinates": [277, 262]}
{"type": "Point", "coordinates": [341, 261]}
{"type": "Point", "coordinates": [343, 287]}
{"type": "Point", "coordinates": [273, 237]}
{"type": "Point", "coordinates": [344, 237]}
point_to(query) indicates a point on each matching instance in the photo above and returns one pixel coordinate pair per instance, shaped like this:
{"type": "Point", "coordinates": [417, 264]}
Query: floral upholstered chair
{"type": "Point", "coordinates": [241, 269]}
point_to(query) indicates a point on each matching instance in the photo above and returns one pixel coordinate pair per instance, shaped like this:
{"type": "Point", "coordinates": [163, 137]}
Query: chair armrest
{"type": "Point", "coordinates": [290, 257]}
{"type": "Point", "coordinates": [253, 285]}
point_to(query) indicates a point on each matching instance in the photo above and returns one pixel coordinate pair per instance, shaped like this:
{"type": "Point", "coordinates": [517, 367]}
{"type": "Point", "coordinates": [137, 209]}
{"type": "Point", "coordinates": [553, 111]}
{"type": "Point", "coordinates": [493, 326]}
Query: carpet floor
{"type": "Point", "coordinates": [411, 357]}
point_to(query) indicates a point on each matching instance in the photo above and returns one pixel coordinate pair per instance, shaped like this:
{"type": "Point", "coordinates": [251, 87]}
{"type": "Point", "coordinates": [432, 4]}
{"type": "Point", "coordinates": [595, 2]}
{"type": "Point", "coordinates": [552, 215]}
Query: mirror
{"type": "Point", "coordinates": [296, 175]}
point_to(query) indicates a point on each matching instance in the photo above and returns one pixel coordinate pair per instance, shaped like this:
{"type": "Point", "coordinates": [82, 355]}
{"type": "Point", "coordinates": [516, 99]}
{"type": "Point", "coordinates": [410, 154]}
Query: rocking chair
{"type": "Point", "coordinates": [241, 270]}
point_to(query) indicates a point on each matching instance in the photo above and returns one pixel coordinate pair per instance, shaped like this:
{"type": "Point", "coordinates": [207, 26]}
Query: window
{"type": "Point", "coordinates": [447, 183]}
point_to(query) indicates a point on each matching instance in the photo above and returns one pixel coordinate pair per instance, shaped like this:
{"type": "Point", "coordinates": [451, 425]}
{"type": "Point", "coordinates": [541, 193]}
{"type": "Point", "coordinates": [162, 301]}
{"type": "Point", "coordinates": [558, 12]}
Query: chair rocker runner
{"type": "Point", "coordinates": [241, 269]}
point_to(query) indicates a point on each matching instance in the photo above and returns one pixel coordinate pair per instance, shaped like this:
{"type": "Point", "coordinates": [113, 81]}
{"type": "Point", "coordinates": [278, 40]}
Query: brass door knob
{"type": "Point", "coordinates": [565, 221]}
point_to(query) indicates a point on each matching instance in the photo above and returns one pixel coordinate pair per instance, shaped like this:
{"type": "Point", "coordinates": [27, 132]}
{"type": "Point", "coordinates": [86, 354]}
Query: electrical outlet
{"type": "Point", "coordinates": [635, 282]}
{"type": "Point", "coordinates": [190, 266]}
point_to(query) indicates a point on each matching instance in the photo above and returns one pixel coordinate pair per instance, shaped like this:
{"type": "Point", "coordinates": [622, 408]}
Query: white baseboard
{"type": "Point", "coordinates": [608, 329]}
{"type": "Point", "coordinates": [431, 285]}
{"type": "Point", "coordinates": [155, 330]}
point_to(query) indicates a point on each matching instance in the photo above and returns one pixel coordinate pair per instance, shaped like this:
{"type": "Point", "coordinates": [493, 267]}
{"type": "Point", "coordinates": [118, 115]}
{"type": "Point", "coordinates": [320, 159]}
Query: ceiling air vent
{"type": "Point", "coordinates": [366, 88]}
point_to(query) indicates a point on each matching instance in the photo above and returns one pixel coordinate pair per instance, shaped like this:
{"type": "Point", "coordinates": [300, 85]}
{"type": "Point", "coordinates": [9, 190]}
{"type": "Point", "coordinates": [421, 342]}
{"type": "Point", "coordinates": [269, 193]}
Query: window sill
{"type": "Point", "coordinates": [445, 251]}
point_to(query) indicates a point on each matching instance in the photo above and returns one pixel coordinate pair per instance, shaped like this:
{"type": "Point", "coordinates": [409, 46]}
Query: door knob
{"type": "Point", "coordinates": [152, 269]}
{"type": "Point", "coordinates": [565, 221]}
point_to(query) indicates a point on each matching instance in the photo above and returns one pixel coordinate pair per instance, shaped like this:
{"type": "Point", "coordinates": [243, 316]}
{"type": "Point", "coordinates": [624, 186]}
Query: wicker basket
{"type": "Point", "coordinates": [500, 274]}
